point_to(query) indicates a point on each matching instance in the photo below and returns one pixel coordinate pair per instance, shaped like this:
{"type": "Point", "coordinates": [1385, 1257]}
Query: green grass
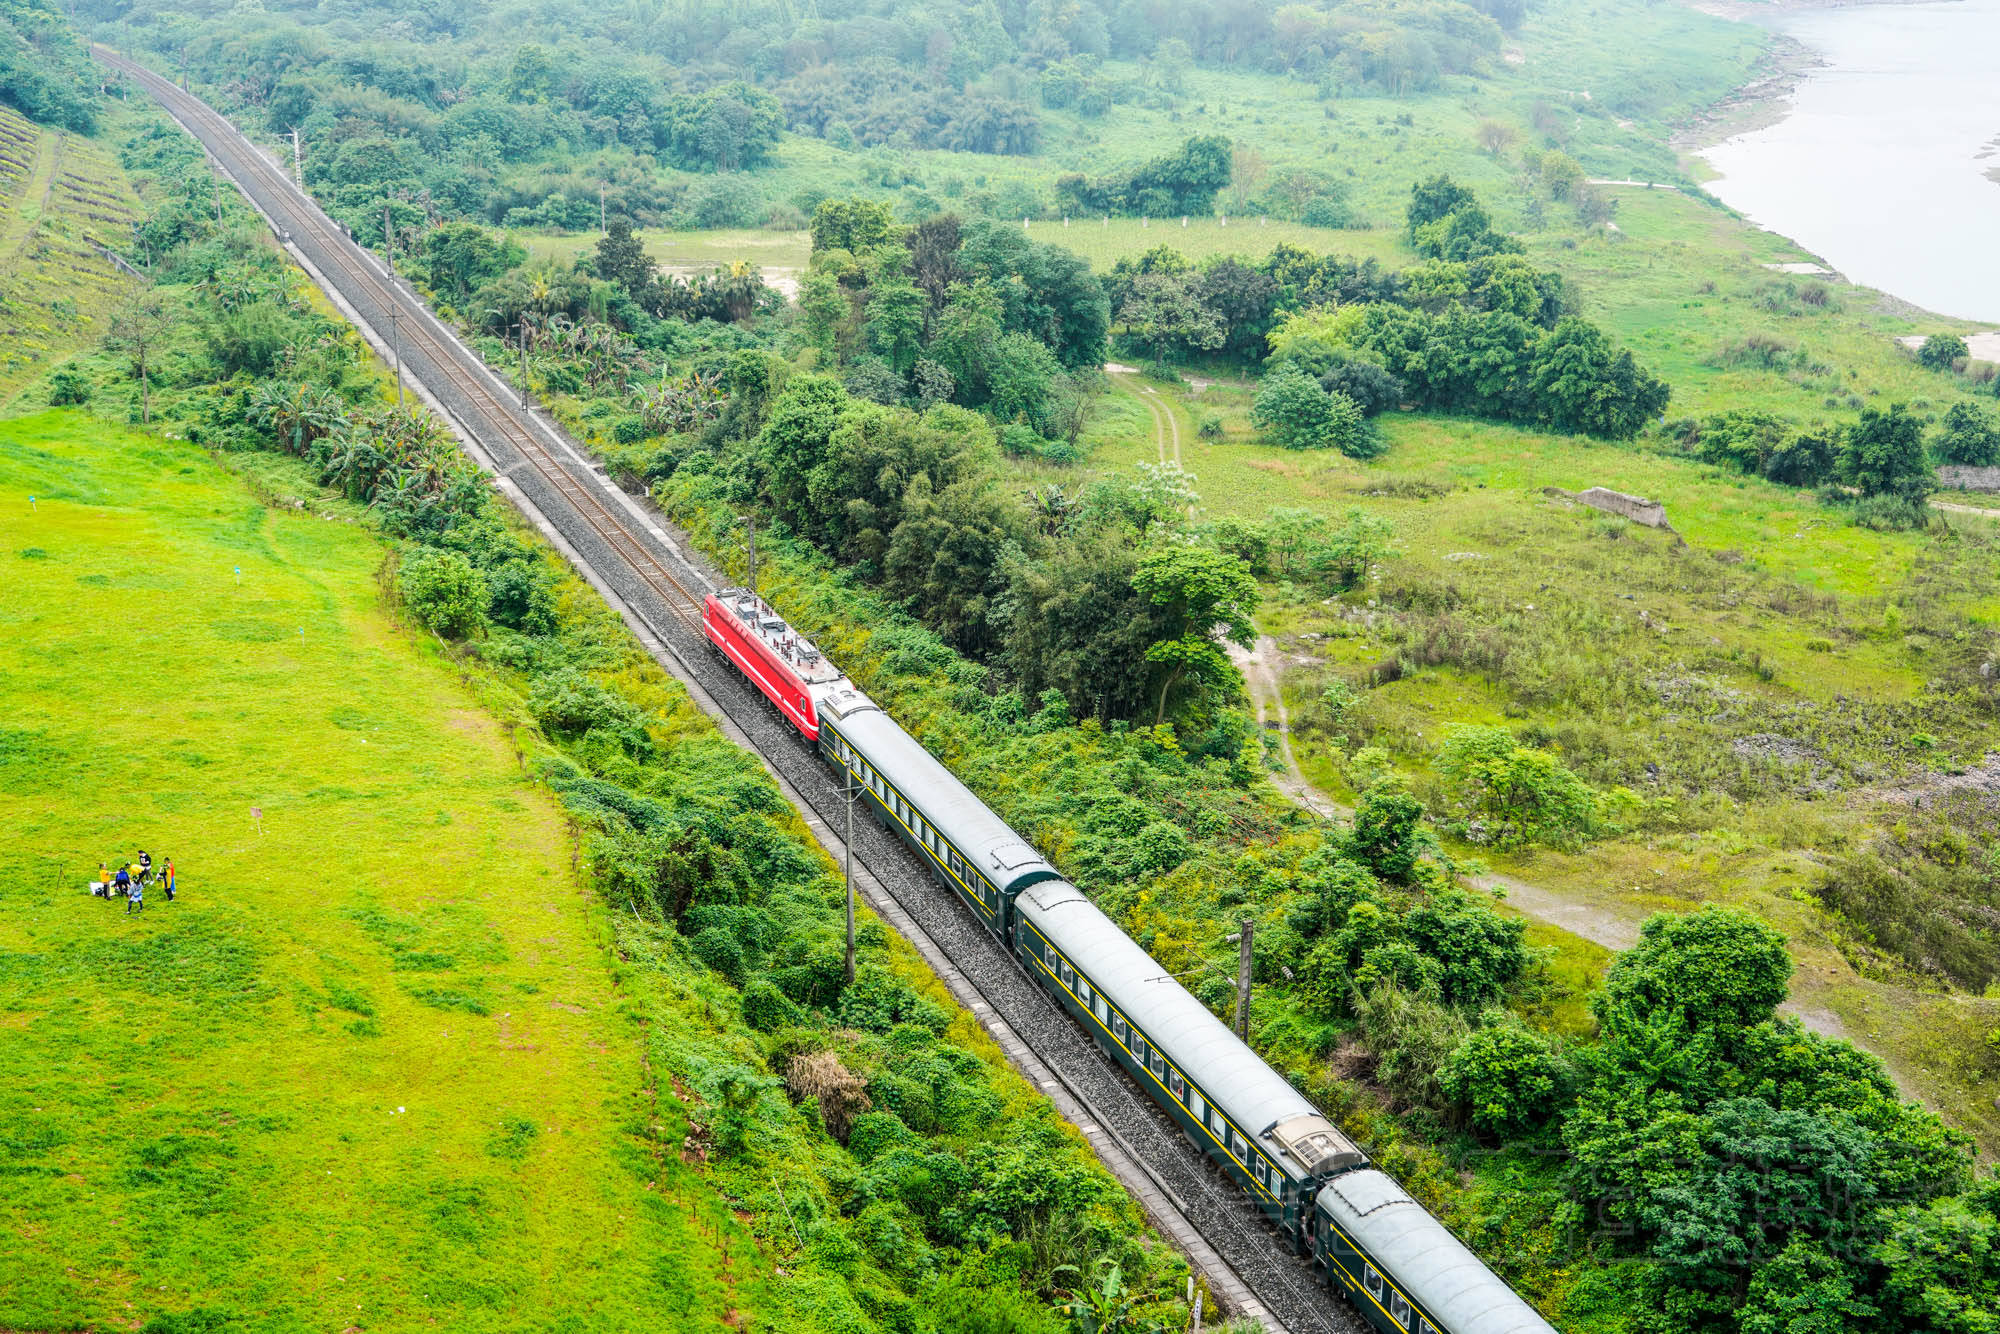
{"type": "Point", "coordinates": [372, 1070]}
{"type": "Point", "coordinates": [56, 292]}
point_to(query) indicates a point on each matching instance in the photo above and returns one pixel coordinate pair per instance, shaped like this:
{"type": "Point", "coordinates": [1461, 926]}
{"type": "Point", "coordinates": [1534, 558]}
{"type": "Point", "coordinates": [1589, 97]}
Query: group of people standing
{"type": "Point", "coordinates": [129, 881]}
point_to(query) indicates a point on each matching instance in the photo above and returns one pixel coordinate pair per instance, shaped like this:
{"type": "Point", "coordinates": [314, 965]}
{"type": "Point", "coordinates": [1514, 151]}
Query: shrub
{"type": "Point", "coordinates": [1507, 1081]}
{"type": "Point", "coordinates": [568, 703]}
{"type": "Point", "coordinates": [1210, 428]}
{"type": "Point", "coordinates": [1302, 414]}
{"type": "Point", "coordinates": [767, 1009]}
{"type": "Point", "coordinates": [69, 388]}
{"type": "Point", "coordinates": [1509, 795]}
{"type": "Point", "coordinates": [443, 591]}
{"type": "Point", "coordinates": [1941, 352]}
{"type": "Point", "coordinates": [521, 599]}
{"type": "Point", "coordinates": [1386, 835]}
{"type": "Point", "coordinates": [1967, 436]}
{"type": "Point", "coordinates": [629, 430]}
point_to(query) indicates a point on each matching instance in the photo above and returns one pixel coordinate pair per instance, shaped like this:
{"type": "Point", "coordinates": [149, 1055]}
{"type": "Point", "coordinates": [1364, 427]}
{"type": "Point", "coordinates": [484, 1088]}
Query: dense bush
{"type": "Point", "coordinates": [443, 592]}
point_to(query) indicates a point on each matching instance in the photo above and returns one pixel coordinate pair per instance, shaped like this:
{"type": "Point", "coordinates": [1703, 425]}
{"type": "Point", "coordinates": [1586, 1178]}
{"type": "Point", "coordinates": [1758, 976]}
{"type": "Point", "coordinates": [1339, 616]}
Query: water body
{"type": "Point", "coordinates": [1881, 165]}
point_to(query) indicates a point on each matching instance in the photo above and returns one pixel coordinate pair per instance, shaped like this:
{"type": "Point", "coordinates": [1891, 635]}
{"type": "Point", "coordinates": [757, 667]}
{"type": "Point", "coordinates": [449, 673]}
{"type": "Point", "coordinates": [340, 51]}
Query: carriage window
{"type": "Point", "coordinates": [1425, 1327]}
{"type": "Point", "coordinates": [1241, 1145]}
{"type": "Point", "coordinates": [1118, 1026]}
{"type": "Point", "coordinates": [1103, 1010]}
{"type": "Point", "coordinates": [1220, 1126]}
{"type": "Point", "coordinates": [1196, 1105]}
{"type": "Point", "coordinates": [1083, 990]}
{"type": "Point", "coordinates": [929, 837]}
{"type": "Point", "coordinates": [1175, 1084]}
{"type": "Point", "coordinates": [1399, 1309]}
{"type": "Point", "coordinates": [1257, 1170]}
{"type": "Point", "coordinates": [1159, 1064]}
{"type": "Point", "coordinates": [1069, 976]}
{"type": "Point", "coordinates": [1371, 1281]}
{"type": "Point", "coordinates": [1138, 1048]}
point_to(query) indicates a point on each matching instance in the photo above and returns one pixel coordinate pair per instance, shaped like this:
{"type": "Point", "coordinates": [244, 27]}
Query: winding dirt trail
{"type": "Point", "coordinates": [1589, 921]}
{"type": "Point", "coordinates": [1164, 421]}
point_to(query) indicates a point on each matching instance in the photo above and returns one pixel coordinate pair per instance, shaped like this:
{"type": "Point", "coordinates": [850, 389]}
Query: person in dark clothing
{"type": "Point", "coordinates": [145, 866]}
{"type": "Point", "coordinates": [123, 880]}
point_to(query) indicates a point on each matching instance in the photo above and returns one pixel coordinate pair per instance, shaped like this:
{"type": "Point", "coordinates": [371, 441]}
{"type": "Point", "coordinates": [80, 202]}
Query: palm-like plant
{"type": "Point", "coordinates": [297, 414]}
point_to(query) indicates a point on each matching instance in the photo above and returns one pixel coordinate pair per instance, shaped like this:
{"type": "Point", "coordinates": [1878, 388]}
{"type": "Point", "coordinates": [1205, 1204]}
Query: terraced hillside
{"type": "Point", "coordinates": [63, 201]}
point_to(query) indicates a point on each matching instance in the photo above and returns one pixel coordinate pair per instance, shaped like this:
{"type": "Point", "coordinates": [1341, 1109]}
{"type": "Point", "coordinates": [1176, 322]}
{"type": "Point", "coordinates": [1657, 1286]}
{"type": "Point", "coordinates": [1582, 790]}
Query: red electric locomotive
{"type": "Point", "coordinates": [779, 661]}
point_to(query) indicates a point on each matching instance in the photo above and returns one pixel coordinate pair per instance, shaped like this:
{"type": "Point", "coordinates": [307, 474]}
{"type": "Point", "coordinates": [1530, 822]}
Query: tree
{"type": "Point", "coordinates": [1507, 1081]}
{"type": "Point", "coordinates": [1882, 454]}
{"type": "Point", "coordinates": [1387, 833]}
{"type": "Point", "coordinates": [1579, 384]}
{"type": "Point", "coordinates": [622, 258]}
{"type": "Point", "coordinates": [1200, 599]}
{"type": "Point", "coordinates": [728, 128]}
{"type": "Point", "coordinates": [443, 591]}
{"type": "Point", "coordinates": [1510, 795]}
{"type": "Point", "coordinates": [1022, 380]}
{"type": "Point", "coordinates": [1435, 199]}
{"type": "Point", "coordinates": [1494, 137]}
{"type": "Point", "coordinates": [1803, 1291]}
{"type": "Point", "coordinates": [824, 309]}
{"type": "Point", "coordinates": [1942, 352]}
{"type": "Point", "coordinates": [1715, 970]}
{"type": "Point", "coordinates": [1164, 313]}
{"type": "Point", "coordinates": [137, 329]}
{"type": "Point", "coordinates": [1942, 1263]}
{"type": "Point", "coordinates": [1242, 300]}
{"type": "Point", "coordinates": [896, 317]}
{"type": "Point", "coordinates": [794, 441]}
{"type": "Point", "coordinates": [1302, 415]}
{"type": "Point", "coordinates": [853, 225]}
{"type": "Point", "coordinates": [1968, 436]}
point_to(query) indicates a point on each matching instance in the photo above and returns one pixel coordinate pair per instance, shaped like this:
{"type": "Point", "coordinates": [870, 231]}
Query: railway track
{"type": "Point", "coordinates": [657, 582]}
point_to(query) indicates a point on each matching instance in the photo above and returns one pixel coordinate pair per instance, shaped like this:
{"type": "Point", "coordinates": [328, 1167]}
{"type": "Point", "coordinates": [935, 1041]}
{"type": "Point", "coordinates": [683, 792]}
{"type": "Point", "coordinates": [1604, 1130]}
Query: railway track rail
{"type": "Point", "coordinates": [656, 581]}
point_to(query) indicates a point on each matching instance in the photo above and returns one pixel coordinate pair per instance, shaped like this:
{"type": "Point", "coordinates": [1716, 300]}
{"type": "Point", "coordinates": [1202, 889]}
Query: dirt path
{"type": "Point", "coordinates": [1589, 921]}
{"type": "Point", "coordinates": [1965, 509]}
{"type": "Point", "coordinates": [1164, 420]}
{"type": "Point", "coordinates": [1601, 926]}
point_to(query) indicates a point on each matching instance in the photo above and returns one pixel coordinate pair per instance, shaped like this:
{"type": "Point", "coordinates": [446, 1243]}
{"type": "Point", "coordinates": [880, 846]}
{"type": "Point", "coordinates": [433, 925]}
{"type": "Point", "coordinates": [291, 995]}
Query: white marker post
{"type": "Point", "coordinates": [257, 818]}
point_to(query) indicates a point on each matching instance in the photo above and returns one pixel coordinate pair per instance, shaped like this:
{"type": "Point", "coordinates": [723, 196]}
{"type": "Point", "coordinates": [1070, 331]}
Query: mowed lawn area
{"type": "Point", "coordinates": [372, 1070]}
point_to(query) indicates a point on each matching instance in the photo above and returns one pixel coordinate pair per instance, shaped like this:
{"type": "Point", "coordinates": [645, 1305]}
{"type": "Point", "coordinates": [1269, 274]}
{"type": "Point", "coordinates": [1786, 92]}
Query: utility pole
{"type": "Point", "coordinates": [750, 522]}
{"type": "Point", "coordinates": [298, 161]}
{"type": "Point", "coordinates": [388, 237]}
{"type": "Point", "coordinates": [602, 228]}
{"type": "Point", "coordinates": [1243, 982]}
{"type": "Point", "coordinates": [396, 355]}
{"type": "Point", "coordinates": [524, 363]}
{"type": "Point", "coordinates": [850, 789]}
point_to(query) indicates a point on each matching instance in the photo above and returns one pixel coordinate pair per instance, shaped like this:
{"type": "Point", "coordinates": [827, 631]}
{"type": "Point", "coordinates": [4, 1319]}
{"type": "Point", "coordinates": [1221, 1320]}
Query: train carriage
{"type": "Point", "coordinates": [1238, 1110]}
{"type": "Point", "coordinates": [1368, 1239]}
{"type": "Point", "coordinates": [1404, 1270]}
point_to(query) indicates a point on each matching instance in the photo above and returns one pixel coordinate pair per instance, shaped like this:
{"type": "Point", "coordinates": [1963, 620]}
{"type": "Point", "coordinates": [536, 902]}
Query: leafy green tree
{"type": "Point", "coordinates": [1387, 833]}
{"type": "Point", "coordinates": [1164, 313]}
{"type": "Point", "coordinates": [1434, 199]}
{"type": "Point", "coordinates": [1303, 415]}
{"type": "Point", "coordinates": [1508, 1081]}
{"type": "Point", "coordinates": [461, 256]}
{"type": "Point", "coordinates": [1941, 1263]}
{"type": "Point", "coordinates": [1716, 969]}
{"type": "Point", "coordinates": [622, 258]}
{"type": "Point", "coordinates": [794, 441]}
{"type": "Point", "coordinates": [1075, 624]}
{"type": "Point", "coordinates": [967, 337]}
{"type": "Point", "coordinates": [731, 127]}
{"type": "Point", "coordinates": [1968, 435]}
{"type": "Point", "coordinates": [824, 309]}
{"type": "Point", "coordinates": [895, 316]}
{"type": "Point", "coordinates": [1804, 1291]}
{"type": "Point", "coordinates": [1201, 599]}
{"type": "Point", "coordinates": [853, 225]}
{"type": "Point", "coordinates": [1882, 454]}
{"type": "Point", "coordinates": [443, 592]}
{"type": "Point", "coordinates": [1579, 384]}
{"type": "Point", "coordinates": [1942, 352]}
{"type": "Point", "coordinates": [1509, 795]}
{"type": "Point", "coordinates": [1022, 379]}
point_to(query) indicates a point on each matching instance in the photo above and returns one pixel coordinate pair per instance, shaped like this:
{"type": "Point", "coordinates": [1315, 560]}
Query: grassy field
{"type": "Point", "coordinates": [1626, 649]}
{"type": "Point", "coordinates": [58, 192]}
{"type": "Point", "coordinates": [372, 1070]}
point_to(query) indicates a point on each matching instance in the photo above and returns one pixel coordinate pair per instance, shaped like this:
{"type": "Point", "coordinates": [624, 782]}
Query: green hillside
{"type": "Point", "coordinates": [371, 1069]}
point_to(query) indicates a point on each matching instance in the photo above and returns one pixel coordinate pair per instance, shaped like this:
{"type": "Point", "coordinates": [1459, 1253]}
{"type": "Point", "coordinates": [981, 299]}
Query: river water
{"type": "Point", "coordinates": [1878, 167]}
